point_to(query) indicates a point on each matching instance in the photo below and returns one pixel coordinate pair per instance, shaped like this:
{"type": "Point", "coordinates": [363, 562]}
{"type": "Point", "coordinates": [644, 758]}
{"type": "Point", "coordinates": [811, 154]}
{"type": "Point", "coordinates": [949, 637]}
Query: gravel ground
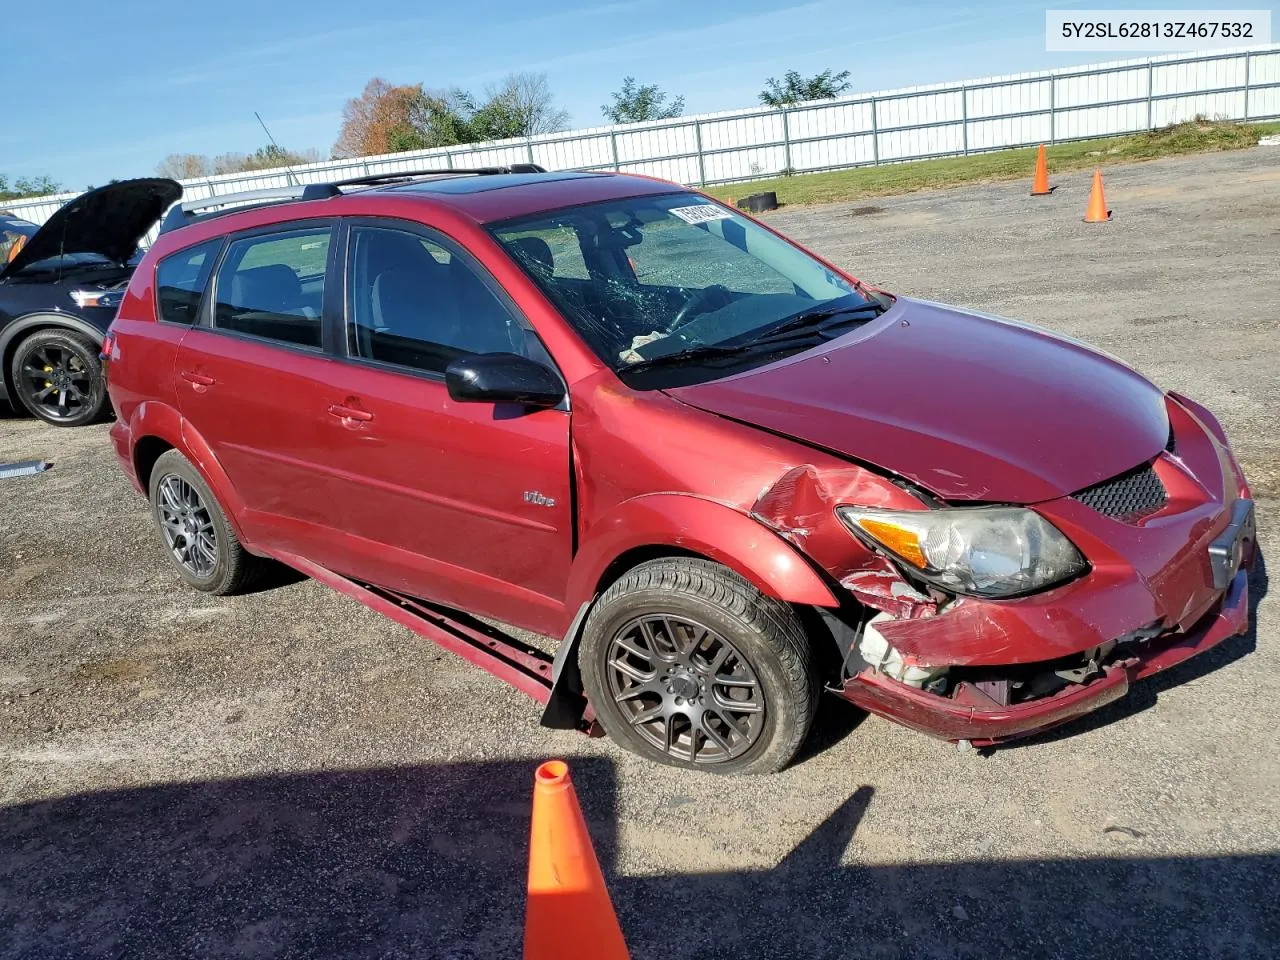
{"type": "Point", "coordinates": [287, 774]}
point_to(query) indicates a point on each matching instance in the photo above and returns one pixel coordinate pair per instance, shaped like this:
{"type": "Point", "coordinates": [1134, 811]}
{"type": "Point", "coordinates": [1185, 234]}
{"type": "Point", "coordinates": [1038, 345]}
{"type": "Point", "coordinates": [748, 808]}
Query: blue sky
{"type": "Point", "coordinates": [109, 89]}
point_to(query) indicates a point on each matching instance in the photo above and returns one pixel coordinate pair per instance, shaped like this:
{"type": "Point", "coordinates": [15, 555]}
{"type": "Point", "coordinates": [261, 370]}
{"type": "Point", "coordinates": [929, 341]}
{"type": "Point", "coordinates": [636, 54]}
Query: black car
{"type": "Point", "coordinates": [60, 285]}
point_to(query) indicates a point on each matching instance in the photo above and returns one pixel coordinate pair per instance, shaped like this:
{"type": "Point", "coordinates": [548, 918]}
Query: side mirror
{"type": "Point", "coordinates": [503, 378]}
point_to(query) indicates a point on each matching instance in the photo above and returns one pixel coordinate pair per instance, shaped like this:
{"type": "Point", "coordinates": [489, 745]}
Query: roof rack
{"type": "Point", "coordinates": [192, 211]}
{"type": "Point", "coordinates": [398, 175]}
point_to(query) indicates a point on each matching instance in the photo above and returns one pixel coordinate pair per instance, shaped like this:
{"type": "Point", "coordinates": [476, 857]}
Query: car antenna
{"type": "Point", "coordinates": [287, 169]}
{"type": "Point", "coordinates": [62, 245]}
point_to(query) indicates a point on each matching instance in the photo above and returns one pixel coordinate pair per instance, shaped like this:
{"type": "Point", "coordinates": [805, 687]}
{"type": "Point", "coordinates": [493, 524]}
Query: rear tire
{"type": "Point", "coordinates": [688, 664]}
{"type": "Point", "coordinates": [194, 531]}
{"type": "Point", "coordinates": [56, 376]}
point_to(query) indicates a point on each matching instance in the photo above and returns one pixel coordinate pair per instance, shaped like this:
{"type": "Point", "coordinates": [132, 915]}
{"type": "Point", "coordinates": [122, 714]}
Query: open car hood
{"type": "Point", "coordinates": [970, 407]}
{"type": "Point", "coordinates": [108, 221]}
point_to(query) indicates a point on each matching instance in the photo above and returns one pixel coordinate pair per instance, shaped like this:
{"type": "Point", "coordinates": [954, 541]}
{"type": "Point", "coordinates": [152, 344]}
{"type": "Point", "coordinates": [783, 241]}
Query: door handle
{"type": "Point", "coordinates": [349, 413]}
{"type": "Point", "coordinates": [197, 379]}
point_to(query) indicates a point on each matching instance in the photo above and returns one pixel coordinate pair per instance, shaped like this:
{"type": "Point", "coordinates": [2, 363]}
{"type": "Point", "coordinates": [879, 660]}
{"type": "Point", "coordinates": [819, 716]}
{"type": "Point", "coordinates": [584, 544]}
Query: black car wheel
{"type": "Point", "coordinates": [197, 537]}
{"type": "Point", "coordinates": [56, 375]}
{"type": "Point", "coordinates": [687, 663]}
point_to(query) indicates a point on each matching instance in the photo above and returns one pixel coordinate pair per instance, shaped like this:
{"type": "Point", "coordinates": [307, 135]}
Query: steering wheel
{"type": "Point", "coordinates": [697, 303]}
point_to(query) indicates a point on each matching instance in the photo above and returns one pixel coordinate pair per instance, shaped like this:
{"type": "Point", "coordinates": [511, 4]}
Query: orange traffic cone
{"type": "Point", "coordinates": [1097, 211]}
{"type": "Point", "coordinates": [1040, 186]}
{"type": "Point", "coordinates": [569, 915]}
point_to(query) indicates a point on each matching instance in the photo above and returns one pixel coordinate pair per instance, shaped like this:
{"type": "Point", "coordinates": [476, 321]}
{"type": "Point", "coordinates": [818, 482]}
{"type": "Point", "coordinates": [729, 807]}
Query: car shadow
{"type": "Point", "coordinates": [836, 719]}
{"type": "Point", "coordinates": [430, 861]}
{"type": "Point", "coordinates": [1144, 694]}
{"type": "Point", "coordinates": [273, 576]}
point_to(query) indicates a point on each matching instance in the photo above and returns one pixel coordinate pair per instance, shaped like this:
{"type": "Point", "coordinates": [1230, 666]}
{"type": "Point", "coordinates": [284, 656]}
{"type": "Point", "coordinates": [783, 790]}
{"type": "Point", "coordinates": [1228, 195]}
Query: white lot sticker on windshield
{"type": "Point", "coordinates": [701, 213]}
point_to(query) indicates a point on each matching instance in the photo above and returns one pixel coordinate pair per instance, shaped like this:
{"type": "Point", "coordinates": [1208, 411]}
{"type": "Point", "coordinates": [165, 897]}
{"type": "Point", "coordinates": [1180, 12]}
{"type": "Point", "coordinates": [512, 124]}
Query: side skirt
{"type": "Point", "coordinates": [526, 668]}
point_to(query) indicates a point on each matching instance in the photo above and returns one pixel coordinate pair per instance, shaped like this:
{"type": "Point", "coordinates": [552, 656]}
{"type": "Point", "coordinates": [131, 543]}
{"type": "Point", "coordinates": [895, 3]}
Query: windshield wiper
{"type": "Point", "coordinates": [711, 351]}
{"type": "Point", "coordinates": [797, 330]}
{"type": "Point", "coordinates": [696, 354]}
{"type": "Point", "coordinates": [812, 320]}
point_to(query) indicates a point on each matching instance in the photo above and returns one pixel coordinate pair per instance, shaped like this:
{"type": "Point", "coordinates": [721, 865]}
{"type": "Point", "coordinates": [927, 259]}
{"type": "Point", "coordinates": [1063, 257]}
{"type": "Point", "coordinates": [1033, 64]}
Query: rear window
{"type": "Point", "coordinates": [180, 282]}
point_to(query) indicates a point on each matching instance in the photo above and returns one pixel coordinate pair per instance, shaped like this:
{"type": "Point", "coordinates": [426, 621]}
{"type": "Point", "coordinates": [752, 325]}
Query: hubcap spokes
{"type": "Point", "coordinates": [57, 381]}
{"type": "Point", "coordinates": [187, 526]}
{"type": "Point", "coordinates": [685, 689]}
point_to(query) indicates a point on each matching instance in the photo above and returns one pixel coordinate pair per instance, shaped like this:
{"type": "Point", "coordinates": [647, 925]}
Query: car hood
{"type": "Point", "coordinates": [968, 406]}
{"type": "Point", "coordinates": [108, 221]}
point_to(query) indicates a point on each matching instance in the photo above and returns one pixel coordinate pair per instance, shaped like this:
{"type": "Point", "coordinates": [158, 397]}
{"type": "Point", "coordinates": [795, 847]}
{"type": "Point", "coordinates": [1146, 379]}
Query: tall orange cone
{"type": "Point", "coordinates": [1040, 186]}
{"type": "Point", "coordinates": [569, 915]}
{"type": "Point", "coordinates": [1097, 211]}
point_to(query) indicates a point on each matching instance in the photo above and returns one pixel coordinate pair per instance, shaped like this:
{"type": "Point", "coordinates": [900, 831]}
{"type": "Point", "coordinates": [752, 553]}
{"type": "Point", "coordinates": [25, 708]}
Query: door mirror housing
{"type": "Point", "coordinates": [503, 378]}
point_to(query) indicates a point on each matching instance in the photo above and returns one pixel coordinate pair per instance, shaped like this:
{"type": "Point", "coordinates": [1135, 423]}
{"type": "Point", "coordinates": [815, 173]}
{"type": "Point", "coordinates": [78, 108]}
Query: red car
{"type": "Point", "coordinates": [728, 474]}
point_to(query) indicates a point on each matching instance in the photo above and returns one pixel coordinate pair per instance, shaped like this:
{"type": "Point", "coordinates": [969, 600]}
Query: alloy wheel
{"type": "Point", "coordinates": [685, 689]}
{"type": "Point", "coordinates": [188, 529]}
{"type": "Point", "coordinates": [57, 381]}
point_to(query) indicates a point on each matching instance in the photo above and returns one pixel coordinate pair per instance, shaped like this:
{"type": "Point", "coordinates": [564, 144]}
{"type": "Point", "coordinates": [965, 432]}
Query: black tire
{"type": "Point", "coordinates": [215, 562]}
{"type": "Point", "coordinates": [768, 646]}
{"type": "Point", "coordinates": [56, 376]}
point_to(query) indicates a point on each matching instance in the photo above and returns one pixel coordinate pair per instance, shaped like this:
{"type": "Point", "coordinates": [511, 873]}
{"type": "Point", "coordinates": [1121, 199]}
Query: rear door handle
{"type": "Point", "coordinates": [198, 379]}
{"type": "Point", "coordinates": [349, 413]}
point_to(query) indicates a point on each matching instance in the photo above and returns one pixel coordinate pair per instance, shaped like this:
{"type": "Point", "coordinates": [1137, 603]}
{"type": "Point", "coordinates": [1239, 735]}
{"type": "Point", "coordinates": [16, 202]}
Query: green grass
{"type": "Point", "coordinates": [1195, 136]}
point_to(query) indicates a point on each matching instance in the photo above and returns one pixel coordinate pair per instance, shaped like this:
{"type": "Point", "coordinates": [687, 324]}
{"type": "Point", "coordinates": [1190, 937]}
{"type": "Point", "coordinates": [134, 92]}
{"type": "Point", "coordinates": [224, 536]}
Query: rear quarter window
{"type": "Point", "coordinates": [180, 282]}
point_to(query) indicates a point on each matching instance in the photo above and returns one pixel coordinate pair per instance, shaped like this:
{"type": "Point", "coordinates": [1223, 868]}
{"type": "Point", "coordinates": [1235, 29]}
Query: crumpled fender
{"type": "Point", "coordinates": [707, 527]}
{"type": "Point", "coordinates": [152, 419]}
{"type": "Point", "coordinates": [1210, 423]}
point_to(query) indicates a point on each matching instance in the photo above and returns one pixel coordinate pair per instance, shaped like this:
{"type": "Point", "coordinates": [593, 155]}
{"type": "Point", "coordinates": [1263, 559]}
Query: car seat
{"type": "Point", "coordinates": [536, 253]}
{"type": "Point", "coordinates": [273, 288]}
{"type": "Point", "coordinates": [415, 297]}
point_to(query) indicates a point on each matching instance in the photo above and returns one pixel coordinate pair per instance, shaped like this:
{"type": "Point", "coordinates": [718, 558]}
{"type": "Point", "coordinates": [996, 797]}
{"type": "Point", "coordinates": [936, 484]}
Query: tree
{"type": "Point", "coordinates": [633, 104]}
{"type": "Point", "coordinates": [227, 163]}
{"type": "Point", "coordinates": [188, 166]}
{"type": "Point", "coordinates": [389, 119]}
{"type": "Point", "coordinates": [272, 156]}
{"type": "Point", "coordinates": [500, 118]}
{"type": "Point", "coordinates": [797, 89]}
{"type": "Point", "coordinates": [370, 120]}
{"type": "Point", "coordinates": [441, 118]}
{"type": "Point", "coordinates": [27, 187]}
{"type": "Point", "coordinates": [526, 103]}
{"type": "Point", "coordinates": [184, 166]}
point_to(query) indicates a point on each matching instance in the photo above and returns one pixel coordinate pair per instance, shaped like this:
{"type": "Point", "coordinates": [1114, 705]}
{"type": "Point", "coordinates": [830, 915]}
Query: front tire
{"type": "Point", "coordinates": [57, 376]}
{"type": "Point", "coordinates": [688, 664]}
{"type": "Point", "coordinates": [197, 538]}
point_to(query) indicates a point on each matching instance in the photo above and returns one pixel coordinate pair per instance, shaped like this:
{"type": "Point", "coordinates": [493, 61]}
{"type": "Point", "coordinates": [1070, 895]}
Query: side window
{"type": "Point", "coordinates": [273, 286]}
{"type": "Point", "coordinates": [416, 304]}
{"type": "Point", "coordinates": [180, 281]}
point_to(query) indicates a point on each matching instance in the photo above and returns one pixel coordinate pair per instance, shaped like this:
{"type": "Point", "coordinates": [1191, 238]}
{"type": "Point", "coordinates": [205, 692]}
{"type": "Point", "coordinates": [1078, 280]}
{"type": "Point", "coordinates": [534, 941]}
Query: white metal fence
{"type": "Point", "coordinates": [912, 123]}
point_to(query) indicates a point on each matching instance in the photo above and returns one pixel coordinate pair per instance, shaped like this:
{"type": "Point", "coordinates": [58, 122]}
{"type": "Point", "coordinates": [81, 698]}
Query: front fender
{"type": "Point", "coordinates": [153, 419]}
{"type": "Point", "coordinates": [1210, 423]}
{"type": "Point", "coordinates": [706, 527]}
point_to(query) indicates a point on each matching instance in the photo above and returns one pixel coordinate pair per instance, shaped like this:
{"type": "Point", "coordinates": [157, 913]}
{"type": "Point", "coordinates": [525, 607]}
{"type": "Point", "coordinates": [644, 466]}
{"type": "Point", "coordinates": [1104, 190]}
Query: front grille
{"type": "Point", "coordinates": [1128, 497]}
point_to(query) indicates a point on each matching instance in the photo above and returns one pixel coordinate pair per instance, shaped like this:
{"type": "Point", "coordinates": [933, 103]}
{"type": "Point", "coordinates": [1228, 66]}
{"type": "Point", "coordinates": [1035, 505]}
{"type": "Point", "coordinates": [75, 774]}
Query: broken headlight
{"type": "Point", "coordinates": [979, 551]}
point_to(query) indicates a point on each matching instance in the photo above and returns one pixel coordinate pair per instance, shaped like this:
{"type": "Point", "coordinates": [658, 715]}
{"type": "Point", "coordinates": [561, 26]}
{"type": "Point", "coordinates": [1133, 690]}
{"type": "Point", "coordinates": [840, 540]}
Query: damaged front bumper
{"type": "Point", "coordinates": [969, 714]}
{"type": "Point", "coordinates": [1166, 581]}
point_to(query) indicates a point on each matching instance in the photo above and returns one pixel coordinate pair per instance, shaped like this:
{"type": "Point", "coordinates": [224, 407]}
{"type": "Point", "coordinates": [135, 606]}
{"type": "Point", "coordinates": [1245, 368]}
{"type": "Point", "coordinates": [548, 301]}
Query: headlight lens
{"type": "Point", "coordinates": [97, 298]}
{"type": "Point", "coordinates": [979, 551]}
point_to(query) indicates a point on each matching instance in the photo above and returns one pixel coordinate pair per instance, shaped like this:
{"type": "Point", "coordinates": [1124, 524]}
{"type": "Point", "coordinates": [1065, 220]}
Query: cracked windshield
{"type": "Point", "coordinates": [653, 281]}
